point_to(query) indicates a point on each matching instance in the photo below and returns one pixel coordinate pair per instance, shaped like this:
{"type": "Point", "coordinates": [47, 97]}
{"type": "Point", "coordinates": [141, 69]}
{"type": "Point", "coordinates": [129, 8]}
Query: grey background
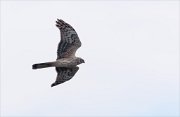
{"type": "Point", "coordinates": [131, 50]}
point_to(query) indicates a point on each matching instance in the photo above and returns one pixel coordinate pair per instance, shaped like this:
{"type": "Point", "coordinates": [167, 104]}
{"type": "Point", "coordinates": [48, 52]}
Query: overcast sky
{"type": "Point", "coordinates": [131, 49]}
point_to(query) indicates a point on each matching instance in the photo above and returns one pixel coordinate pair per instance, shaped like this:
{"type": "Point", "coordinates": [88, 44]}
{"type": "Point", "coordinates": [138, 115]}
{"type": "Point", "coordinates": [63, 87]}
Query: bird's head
{"type": "Point", "coordinates": [80, 60]}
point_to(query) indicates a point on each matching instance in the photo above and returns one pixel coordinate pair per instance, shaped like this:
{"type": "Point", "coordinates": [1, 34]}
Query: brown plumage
{"type": "Point", "coordinates": [66, 62]}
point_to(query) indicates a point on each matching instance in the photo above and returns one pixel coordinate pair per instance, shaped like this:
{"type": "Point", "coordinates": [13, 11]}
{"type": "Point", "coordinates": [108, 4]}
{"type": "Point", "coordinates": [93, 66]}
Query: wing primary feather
{"type": "Point", "coordinates": [69, 40]}
{"type": "Point", "coordinates": [64, 74]}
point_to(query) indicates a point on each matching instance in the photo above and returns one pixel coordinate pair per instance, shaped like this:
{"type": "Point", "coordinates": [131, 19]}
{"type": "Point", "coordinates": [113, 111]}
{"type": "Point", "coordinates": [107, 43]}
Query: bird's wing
{"type": "Point", "coordinates": [64, 74]}
{"type": "Point", "coordinates": [69, 40]}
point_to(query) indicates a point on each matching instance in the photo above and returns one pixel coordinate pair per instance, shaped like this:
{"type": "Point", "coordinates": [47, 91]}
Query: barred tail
{"type": "Point", "coordinates": [42, 65]}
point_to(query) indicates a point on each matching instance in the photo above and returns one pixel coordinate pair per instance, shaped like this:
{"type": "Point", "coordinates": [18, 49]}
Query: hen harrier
{"type": "Point", "coordinates": [66, 62]}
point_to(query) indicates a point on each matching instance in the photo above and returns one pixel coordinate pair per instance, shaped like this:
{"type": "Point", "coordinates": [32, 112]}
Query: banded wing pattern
{"type": "Point", "coordinates": [66, 48]}
{"type": "Point", "coordinates": [69, 40]}
{"type": "Point", "coordinates": [64, 74]}
{"type": "Point", "coordinates": [66, 67]}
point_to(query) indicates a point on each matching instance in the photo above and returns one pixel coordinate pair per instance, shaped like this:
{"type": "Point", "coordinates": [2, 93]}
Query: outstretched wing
{"type": "Point", "coordinates": [69, 40]}
{"type": "Point", "coordinates": [64, 74]}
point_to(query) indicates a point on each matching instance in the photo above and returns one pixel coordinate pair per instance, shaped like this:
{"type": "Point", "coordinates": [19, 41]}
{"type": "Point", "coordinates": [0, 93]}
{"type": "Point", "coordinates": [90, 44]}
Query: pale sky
{"type": "Point", "coordinates": [131, 49]}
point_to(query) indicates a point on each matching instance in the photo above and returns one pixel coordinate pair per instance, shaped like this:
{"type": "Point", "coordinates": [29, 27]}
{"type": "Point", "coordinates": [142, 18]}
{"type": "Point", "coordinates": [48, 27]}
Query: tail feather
{"type": "Point", "coordinates": [42, 65]}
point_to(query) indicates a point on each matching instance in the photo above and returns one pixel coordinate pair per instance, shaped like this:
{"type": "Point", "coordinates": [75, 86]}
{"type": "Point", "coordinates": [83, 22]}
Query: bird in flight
{"type": "Point", "coordinates": [66, 62]}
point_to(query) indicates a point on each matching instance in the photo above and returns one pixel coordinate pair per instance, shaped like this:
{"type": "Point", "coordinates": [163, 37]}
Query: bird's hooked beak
{"type": "Point", "coordinates": [83, 61]}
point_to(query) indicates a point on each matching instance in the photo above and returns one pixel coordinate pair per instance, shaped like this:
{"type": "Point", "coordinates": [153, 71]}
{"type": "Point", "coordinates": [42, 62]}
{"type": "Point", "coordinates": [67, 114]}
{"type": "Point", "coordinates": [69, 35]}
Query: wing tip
{"type": "Point", "coordinates": [59, 19]}
{"type": "Point", "coordinates": [55, 83]}
{"type": "Point", "coordinates": [52, 85]}
{"type": "Point", "coordinates": [59, 23]}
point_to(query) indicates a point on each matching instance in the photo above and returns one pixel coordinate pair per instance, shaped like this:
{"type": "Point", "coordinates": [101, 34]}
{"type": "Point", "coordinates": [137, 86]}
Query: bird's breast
{"type": "Point", "coordinates": [66, 62]}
